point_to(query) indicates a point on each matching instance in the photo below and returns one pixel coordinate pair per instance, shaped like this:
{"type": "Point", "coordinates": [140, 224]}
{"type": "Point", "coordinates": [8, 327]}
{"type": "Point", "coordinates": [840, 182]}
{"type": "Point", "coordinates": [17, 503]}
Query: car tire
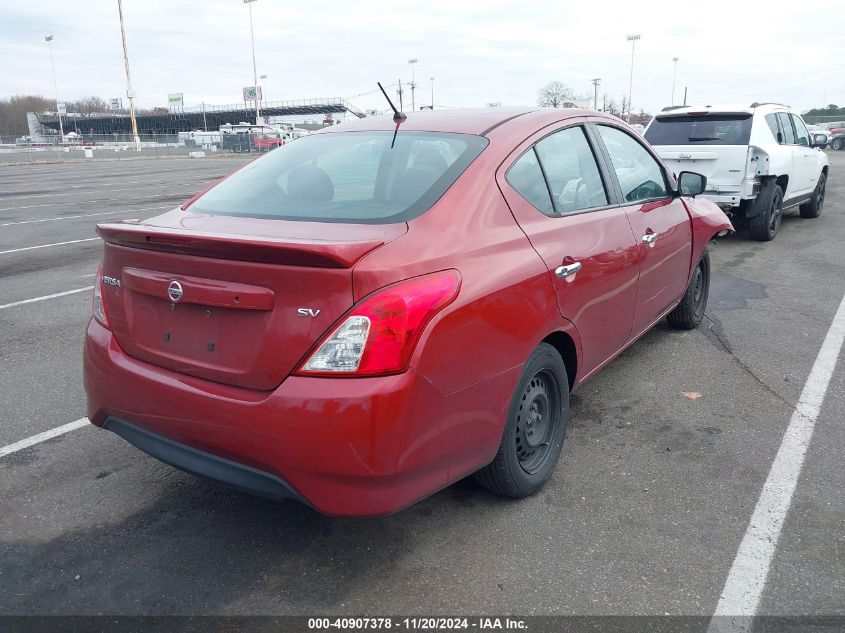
{"type": "Point", "coordinates": [813, 208]}
{"type": "Point", "coordinates": [689, 313]}
{"type": "Point", "coordinates": [837, 143]}
{"type": "Point", "coordinates": [765, 225]}
{"type": "Point", "coordinates": [534, 430]}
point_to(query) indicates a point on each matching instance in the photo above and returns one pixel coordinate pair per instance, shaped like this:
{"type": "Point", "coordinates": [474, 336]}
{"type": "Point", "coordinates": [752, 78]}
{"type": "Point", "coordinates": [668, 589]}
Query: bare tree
{"type": "Point", "coordinates": [555, 94]}
{"type": "Point", "coordinates": [89, 105]}
{"type": "Point", "coordinates": [611, 107]}
{"type": "Point", "coordinates": [625, 107]}
{"type": "Point", "coordinates": [13, 112]}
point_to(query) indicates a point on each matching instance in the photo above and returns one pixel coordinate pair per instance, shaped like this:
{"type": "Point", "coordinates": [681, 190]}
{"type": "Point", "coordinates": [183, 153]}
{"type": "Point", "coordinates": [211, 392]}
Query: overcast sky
{"type": "Point", "coordinates": [478, 52]}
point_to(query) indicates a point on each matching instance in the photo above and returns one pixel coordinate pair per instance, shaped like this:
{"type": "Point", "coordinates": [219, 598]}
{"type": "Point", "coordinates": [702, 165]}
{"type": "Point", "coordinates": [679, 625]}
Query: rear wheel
{"type": "Point", "coordinates": [534, 430]}
{"type": "Point", "coordinates": [765, 225]}
{"type": "Point", "coordinates": [813, 208]}
{"type": "Point", "coordinates": [690, 311]}
{"type": "Point", "coordinates": [837, 143]}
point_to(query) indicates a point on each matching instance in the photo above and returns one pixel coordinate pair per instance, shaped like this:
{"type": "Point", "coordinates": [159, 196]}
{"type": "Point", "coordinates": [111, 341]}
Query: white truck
{"type": "Point", "coordinates": [759, 160]}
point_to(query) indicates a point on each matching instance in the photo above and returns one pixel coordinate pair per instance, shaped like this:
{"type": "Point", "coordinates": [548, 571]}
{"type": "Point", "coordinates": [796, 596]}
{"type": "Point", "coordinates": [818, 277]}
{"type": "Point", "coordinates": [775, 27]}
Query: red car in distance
{"type": "Point", "coordinates": [359, 319]}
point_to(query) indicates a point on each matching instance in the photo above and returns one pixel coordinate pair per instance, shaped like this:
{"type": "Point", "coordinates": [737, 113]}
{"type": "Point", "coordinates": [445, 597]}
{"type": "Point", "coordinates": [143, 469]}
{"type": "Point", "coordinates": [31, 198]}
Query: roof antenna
{"type": "Point", "coordinates": [398, 117]}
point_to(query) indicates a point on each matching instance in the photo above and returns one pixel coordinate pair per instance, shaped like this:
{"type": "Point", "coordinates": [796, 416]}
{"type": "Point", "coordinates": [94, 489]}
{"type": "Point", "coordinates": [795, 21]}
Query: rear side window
{"type": "Point", "coordinates": [354, 177]}
{"type": "Point", "coordinates": [640, 176]}
{"type": "Point", "coordinates": [772, 122]}
{"type": "Point", "coordinates": [786, 126]}
{"type": "Point", "coordinates": [707, 129]}
{"type": "Point", "coordinates": [571, 170]}
{"type": "Point", "coordinates": [526, 176]}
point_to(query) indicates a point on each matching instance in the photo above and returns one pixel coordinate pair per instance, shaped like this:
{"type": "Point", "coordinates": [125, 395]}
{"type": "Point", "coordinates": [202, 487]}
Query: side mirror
{"type": "Point", "coordinates": [691, 183]}
{"type": "Point", "coordinates": [819, 140]}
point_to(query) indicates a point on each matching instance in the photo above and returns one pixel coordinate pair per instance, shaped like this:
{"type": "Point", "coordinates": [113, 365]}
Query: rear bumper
{"type": "Point", "coordinates": [344, 446]}
{"type": "Point", "coordinates": [201, 463]}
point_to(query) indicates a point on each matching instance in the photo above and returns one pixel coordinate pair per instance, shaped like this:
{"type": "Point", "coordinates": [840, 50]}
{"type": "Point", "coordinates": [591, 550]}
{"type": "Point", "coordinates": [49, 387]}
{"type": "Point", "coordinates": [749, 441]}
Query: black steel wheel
{"type": "Point", "coordinates": [689, 313]}
{"type": "Point", "coordinates": [535, 428]}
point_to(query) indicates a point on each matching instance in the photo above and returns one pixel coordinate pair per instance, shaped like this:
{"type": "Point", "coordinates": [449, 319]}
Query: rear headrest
{"type": "Point", "coordinates": [431, 158]}
{"type": "Point", "coordinates": [309, 183]}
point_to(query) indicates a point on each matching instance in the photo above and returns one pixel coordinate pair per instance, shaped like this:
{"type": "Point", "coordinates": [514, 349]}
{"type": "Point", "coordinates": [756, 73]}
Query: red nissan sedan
{"type": "Point", "coordinates": [366, 315]}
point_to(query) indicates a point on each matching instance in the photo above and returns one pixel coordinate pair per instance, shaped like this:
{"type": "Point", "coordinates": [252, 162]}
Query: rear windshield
{"type": "Point", "coordinates": [346, 177]}
{"type": "Point", "coordinates": [709, 129]}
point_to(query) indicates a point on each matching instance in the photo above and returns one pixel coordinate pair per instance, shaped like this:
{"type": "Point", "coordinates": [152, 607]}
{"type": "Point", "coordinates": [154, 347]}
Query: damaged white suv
{"type": "Point", "coordinates": [758, 159]}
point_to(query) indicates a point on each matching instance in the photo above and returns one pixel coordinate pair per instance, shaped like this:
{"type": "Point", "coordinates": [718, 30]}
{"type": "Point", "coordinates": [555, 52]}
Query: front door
{"type": "Point", "coordinates": [557, 194]}
{"type": "Point", "coordinates": [660, 223]}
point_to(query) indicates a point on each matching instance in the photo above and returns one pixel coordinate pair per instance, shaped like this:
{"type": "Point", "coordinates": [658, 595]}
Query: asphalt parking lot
{"type": "Point", "coordinates": [644, 514]}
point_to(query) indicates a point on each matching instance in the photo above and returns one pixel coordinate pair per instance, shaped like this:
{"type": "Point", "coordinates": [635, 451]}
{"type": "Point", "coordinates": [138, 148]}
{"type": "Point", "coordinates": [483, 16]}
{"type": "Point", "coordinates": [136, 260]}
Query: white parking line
{"type": "Point", "coordinates": [41, 437]}
{"type": "Point", "coordinates": [86, 215]}
{"type": "Point", "coordinates": [45, 297]}
{"type": "Point", "coordinates": [747, 577]}
{"type": "Point", "coordinates": [175, 196]}
{"type": "Point", "coordinates": [30, 248]}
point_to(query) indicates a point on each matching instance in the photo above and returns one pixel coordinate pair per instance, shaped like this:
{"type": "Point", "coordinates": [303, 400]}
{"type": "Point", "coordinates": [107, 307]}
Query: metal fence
{"type": "Point", "coordinates": [120, 146]}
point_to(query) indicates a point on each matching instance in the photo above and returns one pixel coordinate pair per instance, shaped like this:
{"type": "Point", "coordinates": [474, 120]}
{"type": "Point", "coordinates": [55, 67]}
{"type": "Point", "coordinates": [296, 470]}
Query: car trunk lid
{"type": "Point", "coordinates": [233, 300]}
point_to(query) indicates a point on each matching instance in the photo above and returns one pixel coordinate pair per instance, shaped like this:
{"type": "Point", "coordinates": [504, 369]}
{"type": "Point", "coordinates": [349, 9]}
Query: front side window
{"type": "Point", "coordinates": [640, 175]}
{"type": "Point", "coordinates": [786, 126]}
{"type": "Point", "coordinates": [354, 177]}
{"type": "Point", "coordinates": [571, 170]}
{"type": "Point", "coordinates": [802, 136]}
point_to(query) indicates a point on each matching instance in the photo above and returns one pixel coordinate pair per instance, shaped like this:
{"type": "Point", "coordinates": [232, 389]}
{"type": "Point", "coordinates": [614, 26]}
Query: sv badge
{"type": "Point", "coordinates": [308, 312]}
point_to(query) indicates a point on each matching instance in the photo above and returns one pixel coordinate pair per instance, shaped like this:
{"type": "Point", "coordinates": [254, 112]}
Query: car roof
{"type": "Point", "coordinates": [478, 121]}
{"type": "Point", "coordinates": [724, 108]}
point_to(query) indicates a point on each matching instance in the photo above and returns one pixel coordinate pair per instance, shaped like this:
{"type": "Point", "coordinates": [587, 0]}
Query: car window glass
{"type": "Point", "coordinates": [571, 170]}
{"type": "Point", "coordinates": [802, 136]}
{"type": "Point", "coordinates": [788, 134]}
{"type": "Point", "coordinates": [640, 175]}
{"type": "Point", "coordinates": [527, 178]}
{"type": "Point", "coordinates": [772, 121]}
{"type": "Point", "coordinates": [359, 177]}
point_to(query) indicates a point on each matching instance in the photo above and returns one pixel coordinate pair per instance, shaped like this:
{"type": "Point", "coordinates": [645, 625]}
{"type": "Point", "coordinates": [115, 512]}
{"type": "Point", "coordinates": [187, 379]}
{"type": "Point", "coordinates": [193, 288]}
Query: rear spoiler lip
{"type": "Point", "coordinates": [292, 251]}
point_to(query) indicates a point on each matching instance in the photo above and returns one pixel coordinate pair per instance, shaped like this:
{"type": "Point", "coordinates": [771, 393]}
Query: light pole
{"type": "Point", "coordinates": [674, 74]}
{"type": "Point", "coordinates": [254, 71]}
{"type": "Point", "coordinates": [49, 39]}
{"type": "Point", "coordinates": [413, 83]}
{"type": "Point", "coordinates": [596, 83]}
{"type": "Point", "coordinates": [263, 91]}
{"type": "Point", "coordinates": [633, 39]}
{"type": "Point", "coordinates": [136, 139]}
{"type": "Point", "coordinates": [432, 92]}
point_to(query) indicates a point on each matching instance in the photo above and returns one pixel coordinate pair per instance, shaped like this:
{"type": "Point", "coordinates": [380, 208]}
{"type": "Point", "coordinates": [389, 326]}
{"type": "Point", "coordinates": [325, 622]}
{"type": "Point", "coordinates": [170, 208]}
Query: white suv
{"type": "Point", "coordinates": [758, 159]}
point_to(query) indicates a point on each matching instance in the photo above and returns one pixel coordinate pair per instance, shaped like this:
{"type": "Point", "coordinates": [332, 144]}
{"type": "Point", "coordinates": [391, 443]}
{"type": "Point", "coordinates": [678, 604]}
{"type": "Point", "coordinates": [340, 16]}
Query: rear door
{"type": "Point", "coordinates": [794, 185]}
{"type": "Point", "coordinates": [559, 197]}
{"type": "Point", "coordinates": [660, 223]}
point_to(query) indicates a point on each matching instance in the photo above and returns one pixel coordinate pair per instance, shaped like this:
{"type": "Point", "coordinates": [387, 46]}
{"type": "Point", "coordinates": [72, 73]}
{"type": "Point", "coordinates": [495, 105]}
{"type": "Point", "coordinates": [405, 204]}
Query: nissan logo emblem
{"type": "Point", "coordinates": [174, 291]}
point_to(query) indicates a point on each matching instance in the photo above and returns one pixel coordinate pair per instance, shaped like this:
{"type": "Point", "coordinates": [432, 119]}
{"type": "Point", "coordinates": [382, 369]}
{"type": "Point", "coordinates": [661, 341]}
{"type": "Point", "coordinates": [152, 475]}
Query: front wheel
{"type": "Point", "coordinates": [534, 430]}
{"type": "Point", "coordinates": [813, 208]}
{"type": "Point", "coordinates": [837, 143]}
{"type": "Point", "coordinates": [688, 314]}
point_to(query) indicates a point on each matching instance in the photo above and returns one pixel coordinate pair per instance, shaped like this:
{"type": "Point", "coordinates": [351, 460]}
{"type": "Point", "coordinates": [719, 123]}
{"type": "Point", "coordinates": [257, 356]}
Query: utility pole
{"type": "Point", "coordinates": [432, 92]}
{"type": "Point", "coordinates": [413, 83]}
{"type": "Point", "coordinates": [674, 74]}
{"type": "Point", "coordinates": [254, 71]}
{"type": "Point", "coordinates": [399, 91]}
{"type": "Point", "coordinates": [49, 39]}
{"type": "Point", "coordinates": [596, 83]}
{"type": "Point", "coordinates": [263, 79]}
{"type": "Point", "coordinates": [633, 39]}
{"type": "Point", "coordinates": [685, 95]}
{"type": "Point", "coordinates": [129, 93]}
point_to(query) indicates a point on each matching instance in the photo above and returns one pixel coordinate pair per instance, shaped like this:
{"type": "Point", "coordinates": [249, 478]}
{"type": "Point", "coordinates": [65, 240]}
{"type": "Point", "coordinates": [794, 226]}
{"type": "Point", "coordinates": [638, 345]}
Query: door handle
{"type": "Point", "coordinates": [567, 271]}
{"type": "Point", "coordinates": [649, 239]}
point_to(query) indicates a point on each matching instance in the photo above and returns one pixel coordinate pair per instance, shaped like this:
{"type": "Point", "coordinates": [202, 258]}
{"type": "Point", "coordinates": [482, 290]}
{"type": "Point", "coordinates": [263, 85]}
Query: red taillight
{"type": "Point", "coordinates": [98, 307]}
{"type": "Point", "coordinates": [378, 336]}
